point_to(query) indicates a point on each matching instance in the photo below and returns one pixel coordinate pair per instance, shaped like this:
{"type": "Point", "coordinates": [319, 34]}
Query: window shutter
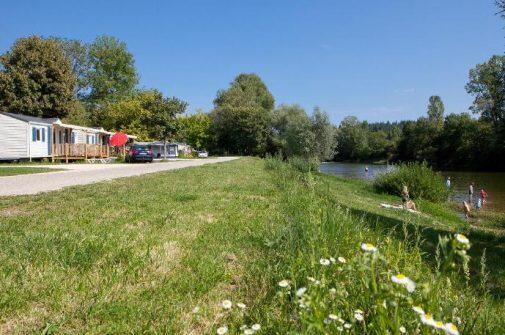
{"type": "Point", "coordinates": [43, 134]}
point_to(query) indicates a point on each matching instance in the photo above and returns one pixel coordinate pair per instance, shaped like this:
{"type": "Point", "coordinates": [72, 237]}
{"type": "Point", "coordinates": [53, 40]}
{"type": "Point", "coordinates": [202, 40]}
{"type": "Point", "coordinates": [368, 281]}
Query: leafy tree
{"type": "Point", "coordinates": [241, 116]}
{"type": "Point", "coordinates": [324, 135]}
{"type": "Point", "coordinates": [78, 54]}
{"type": "Point", "coordinates": [436, 111]}
{"type": "Point", "coordinates": [146, 114]}
{"type": "Point", "coordinates": [36, 78]}
{"type": "Point", "coordinates": [419, 141]}
{"type": "Point", "coordinates": [113, 75]}
{"type": "Point", "coordinates": [77, 114]}
{"type": "Point", "coordinates": [352, 140]}
{"type": "Point", "coordinates": [196, 130]}
{"type": "Point", "coordinates": [292, 129]}
{"type": "Point", "coordinates": [487, 84]}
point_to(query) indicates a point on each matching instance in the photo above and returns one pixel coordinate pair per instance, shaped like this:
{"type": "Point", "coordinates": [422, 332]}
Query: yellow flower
{"type": "Point", "coordinates": [405, 281]}
{"type": "Point", "coordinates": [451, 329]}
{"type": "Point", "coordinates": [462, 239]}
{"type": "Point", "coordinates": [427, 319]}
{"type": "Point", "coordinates": [368, 247]}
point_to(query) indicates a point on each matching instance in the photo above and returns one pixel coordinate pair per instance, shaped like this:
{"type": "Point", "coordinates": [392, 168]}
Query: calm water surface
{"type": "Point", "coordinates": [492, 182]}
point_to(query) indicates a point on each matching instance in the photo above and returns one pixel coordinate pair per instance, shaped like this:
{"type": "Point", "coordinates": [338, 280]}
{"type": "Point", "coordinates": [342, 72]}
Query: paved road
{"type": "Point", "coordinates": [82, 174]}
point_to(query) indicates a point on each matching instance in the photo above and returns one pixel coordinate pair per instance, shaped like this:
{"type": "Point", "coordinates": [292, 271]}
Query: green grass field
{"type": "Point", "coordinates": [16, 170]}
{"type": "Point", "coordinates": [157, 254]}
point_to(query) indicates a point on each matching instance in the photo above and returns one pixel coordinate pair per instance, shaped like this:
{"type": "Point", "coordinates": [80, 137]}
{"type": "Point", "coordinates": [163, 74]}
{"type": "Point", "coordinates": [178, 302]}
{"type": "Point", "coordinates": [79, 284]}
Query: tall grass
{"type": "Point", "coordinates": [331, 271]}
{"type": "Point", "coordinates": [421, 180]}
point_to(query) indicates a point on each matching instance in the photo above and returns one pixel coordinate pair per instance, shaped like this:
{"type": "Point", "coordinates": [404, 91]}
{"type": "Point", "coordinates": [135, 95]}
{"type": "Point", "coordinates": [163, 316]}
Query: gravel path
{"type": "Point", "coordinates": [82, 174]}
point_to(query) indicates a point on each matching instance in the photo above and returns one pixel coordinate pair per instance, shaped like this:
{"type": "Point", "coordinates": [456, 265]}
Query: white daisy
{"type": "Point", "coordinates": [301, 291]}
{"type": "Point", "coordinates": [439, 325]}
{"type": "Point", "coordinates": [333, 260]}
{"type": "Point", "coordinates": [222, 330]}
{"type": "Point", "coordinates": [196, 309]}
{"type": "Point", "coordinates": [418, 310]}
{"type": "Point", "coordinates": [342, 260]}
{"type": "Point", "coordinates": [367, 247]}
{"type": "Point", "coordinates": [402, 330]}
{"type": "Point", "coordinates": [451, 329]}
{"type": "Point", "coordinates": [405, 281]}
{"type": "Point", "coordinates": [226, 304]}
{"type": "Point", "coordinates": [462, 239]}
{"type": "Point", "coordinates": [358, 316]}
{"type": "Point", "coordinates": [347, 325]}
{"type": "Point", "coordinates": [248, 332]}
{"type": "Point", "coordinates": [324, 261]}
{"type": "Point", "coordinates": [333, 317]}
{"type": "Point", "coordinates": [256, 327]}
{"type": "Point", "coordinates": [427, 319]}
{"type": "Point", "coordinates": [333, 291]}
{"type": "Point", "coordinates": [284, 283]}
{"type": "Point", "coordinates": [241, 305]}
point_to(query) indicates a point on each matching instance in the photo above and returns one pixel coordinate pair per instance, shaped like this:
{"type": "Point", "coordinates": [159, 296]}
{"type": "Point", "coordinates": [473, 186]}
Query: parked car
{"type": "Point", "coordinates": [140, 153]}
{"type": "Point", "coordinates": [203, 154]}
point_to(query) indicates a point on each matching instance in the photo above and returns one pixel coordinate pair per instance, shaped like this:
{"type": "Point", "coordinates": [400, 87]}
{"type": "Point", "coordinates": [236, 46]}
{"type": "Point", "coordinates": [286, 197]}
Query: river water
{"type": "Point", "coordinates": [492, 182]}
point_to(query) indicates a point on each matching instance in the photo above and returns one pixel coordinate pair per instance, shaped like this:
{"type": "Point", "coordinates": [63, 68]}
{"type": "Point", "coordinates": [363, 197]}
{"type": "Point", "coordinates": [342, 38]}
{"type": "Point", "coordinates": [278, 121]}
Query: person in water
{"type": "Point", "coordinates": [483, 196]}
{"type": "Point", "coordinates": [366, 168]}
{"type": "Point", "coordinates": [470, 190]}
{"type": "Point", "coordinates": [467, 209]}
{"type": "Point", "coordinates": [448, 182]}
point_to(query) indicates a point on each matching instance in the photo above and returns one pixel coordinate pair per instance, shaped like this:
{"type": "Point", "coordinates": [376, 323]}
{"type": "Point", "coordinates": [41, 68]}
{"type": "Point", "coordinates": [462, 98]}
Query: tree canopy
{"type": "Point", "coordinates": [36, 78]}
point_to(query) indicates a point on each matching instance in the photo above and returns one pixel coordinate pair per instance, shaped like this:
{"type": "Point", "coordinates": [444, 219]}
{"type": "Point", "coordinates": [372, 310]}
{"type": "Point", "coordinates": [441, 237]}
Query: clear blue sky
{"type": "Point", "coordinates": [378, 60]}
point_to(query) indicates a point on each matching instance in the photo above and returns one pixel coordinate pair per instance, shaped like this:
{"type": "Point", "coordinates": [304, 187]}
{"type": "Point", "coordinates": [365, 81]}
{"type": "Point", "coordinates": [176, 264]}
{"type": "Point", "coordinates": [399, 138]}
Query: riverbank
{"type": "Point", "coordinates": [164, 253]}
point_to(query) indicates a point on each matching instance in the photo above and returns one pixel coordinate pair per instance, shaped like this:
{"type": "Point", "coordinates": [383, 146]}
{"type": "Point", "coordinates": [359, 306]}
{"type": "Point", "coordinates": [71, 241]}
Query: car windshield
{"type": "Point", "coordinates": [140, 147]}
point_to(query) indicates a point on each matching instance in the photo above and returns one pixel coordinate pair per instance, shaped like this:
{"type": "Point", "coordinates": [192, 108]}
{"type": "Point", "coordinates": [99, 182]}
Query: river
{"type": "Point", "coordinates": [492, 182]}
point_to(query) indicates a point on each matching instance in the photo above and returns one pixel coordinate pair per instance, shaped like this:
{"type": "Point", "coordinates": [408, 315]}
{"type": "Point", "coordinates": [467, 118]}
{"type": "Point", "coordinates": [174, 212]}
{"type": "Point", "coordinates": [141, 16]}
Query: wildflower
{"type": "Point", "coordinates": [359, 311]}
{"type": "Point", "coordinates": [333, 260]}
{"type": "Point", "coordinates": [324, 262]}
{"type": "Point", "coordinates": [333, 317]}
{"type": "Point", "coordinates": [342, 260]}
{"type": "Point", "coordinates": [241, 305]}
{"type": "Point", "coordinates": [418, 310]}
{"type": "Point", "coordinates": [462, 239]}
{"type": "Point", "coordinates": [347, 325]}
{"type": "Point", "coordinates": [312, 279]}
{"type": "Point", "coordinates": [451, 329]}
{"type": "Point", "coordinates": [248, 332]}
{"type": "Point", "coordinates": [222, 330]}
{"type": "Point", "coordinates": [402, 330]}
{"type": "Point", "coordinates": [243, 327]}
{"type": "Point", "coordinates": [301, 291]}
{"type": "Point", "coordinates": [284, 283]}
{"type": "Point", "coordinates": [358, 316]}
{"type": "Point", "coordinates": [439, 325]}
{"type": "Point", "coordinates": [367, 247]}
{"type": "Point", "coordinates": [256, 327]}
{"type": "Point", "coordinates": [333, 290]}
{"type": "Point", "coordinates": [226, 304]}
{"type": "Point", "coordinates": [340, 328]}
{"type": "Point", "coordinates": [196, 309]}
{"type": "Point", "coordinates": [405, 281]}
{"type": "Point", "coordinates": [326, 321]}
{"type": "Point", "coordinates": [427, 319]}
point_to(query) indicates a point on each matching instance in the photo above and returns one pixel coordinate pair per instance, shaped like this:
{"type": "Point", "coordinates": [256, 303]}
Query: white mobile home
{"type": "Point", "coordinates": [27, 137]}
{"type": "Point", "coordinates": [24, 136]}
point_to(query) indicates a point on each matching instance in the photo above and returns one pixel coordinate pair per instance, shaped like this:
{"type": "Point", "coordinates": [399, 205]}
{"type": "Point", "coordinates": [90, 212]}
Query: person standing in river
{"type": "Point", "coordinates": [448, 182]}
{"type": "Point", "coordinates": [483, 195]}
{"type": "Point", "coordinates": [470, 190]}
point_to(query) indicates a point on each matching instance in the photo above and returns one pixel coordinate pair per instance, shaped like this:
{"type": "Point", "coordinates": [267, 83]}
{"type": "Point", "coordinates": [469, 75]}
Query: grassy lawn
{"type": "Point", "coordinates": [137, 255]}
{"type": "Point", "coordinates": [15, 170]}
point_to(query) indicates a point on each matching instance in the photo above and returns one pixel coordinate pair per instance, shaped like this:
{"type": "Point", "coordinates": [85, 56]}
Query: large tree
{"type": "Point", "coordinates": [352, 140]}
{"type": "Point", "coordinates": [196, 130]}
{"type": "Point", "coordinates": [36, 78]}
{"type": "Point", "coordinates": [77, 53]}
{"type": "Point", "coordinates": [112, 76]}
{"type": "Point", "coordinates": [436, 111]}
{"type": "Point", "coordinates": [292, 131]}
{"type": "Point", "coordinates": [146, 114]}
{"type": "Point", "coordinates": [324, 135]}
{"type": "Point", "coordinates": [241, 116]}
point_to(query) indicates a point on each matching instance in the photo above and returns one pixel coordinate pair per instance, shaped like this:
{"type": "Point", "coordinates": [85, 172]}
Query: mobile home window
{"type": "Point", "coordinates": [43, 134]}
{"type": "Point", "coordinates": [37, 135]}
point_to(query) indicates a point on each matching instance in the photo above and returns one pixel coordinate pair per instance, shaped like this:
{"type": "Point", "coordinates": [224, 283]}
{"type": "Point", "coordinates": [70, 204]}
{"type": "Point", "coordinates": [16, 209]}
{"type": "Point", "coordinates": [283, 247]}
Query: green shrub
{"type": "Point", "coordinates": [422, 181]}
{"type": "Point", "coordinates": [273, 162]}
{"type": "Point", "coordinates": [304, 164]}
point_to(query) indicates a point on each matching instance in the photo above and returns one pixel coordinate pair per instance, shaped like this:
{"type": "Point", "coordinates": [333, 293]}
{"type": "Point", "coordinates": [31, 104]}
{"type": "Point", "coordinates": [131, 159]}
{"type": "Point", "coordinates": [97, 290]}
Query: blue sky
{"type": "Point", "coordinates": [377, 60]}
